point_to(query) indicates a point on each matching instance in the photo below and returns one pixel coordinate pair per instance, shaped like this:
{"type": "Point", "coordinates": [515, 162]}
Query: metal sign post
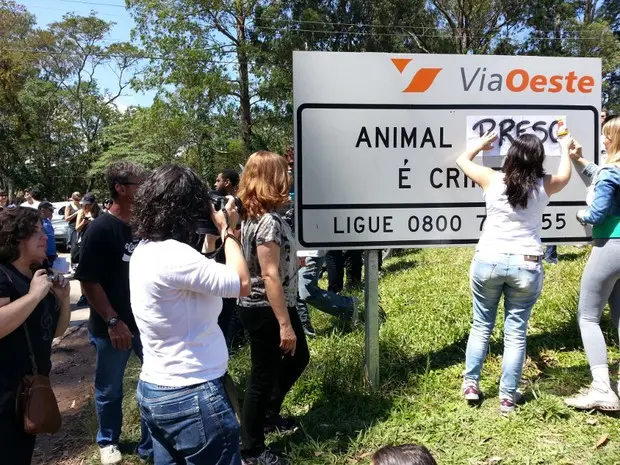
{"type": "Point", "coordinates": [371, 307]}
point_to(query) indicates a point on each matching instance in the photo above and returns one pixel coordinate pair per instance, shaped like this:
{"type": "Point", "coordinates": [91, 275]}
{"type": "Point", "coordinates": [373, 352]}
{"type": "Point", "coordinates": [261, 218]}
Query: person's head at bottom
{"type": "Point", "coordinates": [406, 454]}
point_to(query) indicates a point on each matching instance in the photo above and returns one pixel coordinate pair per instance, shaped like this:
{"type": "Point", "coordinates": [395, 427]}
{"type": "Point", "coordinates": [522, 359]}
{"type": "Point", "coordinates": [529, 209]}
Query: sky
{"type": "Point", "coordinates": [109, 10]}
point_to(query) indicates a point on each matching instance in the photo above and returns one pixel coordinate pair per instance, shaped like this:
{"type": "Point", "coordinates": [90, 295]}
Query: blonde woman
{"type": "Point", "coordinates": [277, 342]}
{"type": "Point", "coordinates": [601, 276]}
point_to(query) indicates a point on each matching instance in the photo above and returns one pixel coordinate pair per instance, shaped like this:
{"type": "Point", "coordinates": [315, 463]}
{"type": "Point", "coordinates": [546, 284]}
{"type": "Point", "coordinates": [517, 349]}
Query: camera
{"type": "Point", "coordinates": [53, 278]}
{"type": "Point", "coordinates": [206, 225]}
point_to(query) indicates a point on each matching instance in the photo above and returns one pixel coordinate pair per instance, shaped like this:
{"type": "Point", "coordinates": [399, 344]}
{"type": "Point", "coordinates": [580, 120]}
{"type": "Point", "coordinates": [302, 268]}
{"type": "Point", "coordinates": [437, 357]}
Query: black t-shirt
{"type": "Point", "coordinates": [106, 249]}
{"type": "Point", "coordinates": [14, 354]}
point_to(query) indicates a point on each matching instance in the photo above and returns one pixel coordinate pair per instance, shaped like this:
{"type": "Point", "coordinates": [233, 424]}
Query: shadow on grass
{"type": "Point", "coordinates": [338, 417]}
{"type": "Point", "coordinates": [571, 256]}
{"type": "Point", "coordinates": [400, 265]}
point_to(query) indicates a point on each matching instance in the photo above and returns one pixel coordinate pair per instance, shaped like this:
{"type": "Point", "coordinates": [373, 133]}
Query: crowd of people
{"type": "Point", "coordinates": [176, 273]}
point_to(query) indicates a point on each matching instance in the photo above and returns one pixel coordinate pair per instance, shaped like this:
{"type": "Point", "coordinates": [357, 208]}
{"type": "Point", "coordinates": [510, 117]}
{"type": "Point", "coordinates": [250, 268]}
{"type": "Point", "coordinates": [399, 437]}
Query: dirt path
{"type": "Point", "coordinates": [72, 378]}
{"type": "Point", "coordinates": [73, 367]}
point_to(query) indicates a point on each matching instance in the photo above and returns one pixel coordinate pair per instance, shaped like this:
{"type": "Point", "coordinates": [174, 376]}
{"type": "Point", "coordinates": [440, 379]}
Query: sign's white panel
{"type": "Point", "coordinates": [386, 152]}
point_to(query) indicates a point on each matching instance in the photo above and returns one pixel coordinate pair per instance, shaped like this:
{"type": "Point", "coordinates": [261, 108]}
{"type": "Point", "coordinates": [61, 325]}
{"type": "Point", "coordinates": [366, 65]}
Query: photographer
{"type": "Point", "coordinates": [176, 297]}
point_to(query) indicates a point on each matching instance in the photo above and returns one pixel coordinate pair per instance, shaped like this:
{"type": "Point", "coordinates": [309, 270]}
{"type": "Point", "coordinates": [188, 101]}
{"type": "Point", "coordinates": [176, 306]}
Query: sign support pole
{"type": "Point", "coordinates": [371, 306]}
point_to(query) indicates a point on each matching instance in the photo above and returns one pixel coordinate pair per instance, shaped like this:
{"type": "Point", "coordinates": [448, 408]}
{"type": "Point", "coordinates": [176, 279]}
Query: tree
{"type": "Point", "coordinates": [203, 49]}
{"type": "Point", "coordinates": [17, 34]}
{"type": "Point", "coordinates": [75, 54]}
{"type": "Point", "coordinates": [577, 28]}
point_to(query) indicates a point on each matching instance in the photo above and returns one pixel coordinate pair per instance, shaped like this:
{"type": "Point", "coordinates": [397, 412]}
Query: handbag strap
{"type": "Point", "coordinates": [35, 368]}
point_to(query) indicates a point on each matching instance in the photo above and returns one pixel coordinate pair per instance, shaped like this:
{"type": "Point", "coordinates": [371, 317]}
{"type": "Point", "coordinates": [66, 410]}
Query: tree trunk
{"type": "Point", "coordinates": [244, 85]}
{"type": "Point", "coordinates": [589, 11]}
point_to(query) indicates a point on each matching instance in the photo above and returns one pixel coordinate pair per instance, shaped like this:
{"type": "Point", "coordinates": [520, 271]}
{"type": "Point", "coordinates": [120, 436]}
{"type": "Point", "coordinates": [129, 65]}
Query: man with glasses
{"type": "Point", "coordinates": [103, 272]}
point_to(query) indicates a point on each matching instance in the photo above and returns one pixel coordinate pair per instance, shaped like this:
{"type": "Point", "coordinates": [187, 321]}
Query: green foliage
{"type": "Point", "coordinates": [222, 70]}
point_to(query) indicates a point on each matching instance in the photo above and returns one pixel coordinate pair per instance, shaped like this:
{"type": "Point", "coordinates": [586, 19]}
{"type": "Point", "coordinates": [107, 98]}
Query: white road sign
{"type": "Point", "coordinates": [377, 137]}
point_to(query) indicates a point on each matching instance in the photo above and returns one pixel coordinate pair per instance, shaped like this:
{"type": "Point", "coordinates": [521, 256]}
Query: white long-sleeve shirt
{"type": "Point", "coordinates": [176, 298]}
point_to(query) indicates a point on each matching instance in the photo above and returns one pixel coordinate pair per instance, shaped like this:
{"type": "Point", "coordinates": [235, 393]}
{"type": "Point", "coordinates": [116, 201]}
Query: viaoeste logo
{"type": "Point", "coordinates": [422, 80]}
{"type": "Point", "coordinates": [519, 80]}
{"type": "Point", "coordinates": [516, 80]}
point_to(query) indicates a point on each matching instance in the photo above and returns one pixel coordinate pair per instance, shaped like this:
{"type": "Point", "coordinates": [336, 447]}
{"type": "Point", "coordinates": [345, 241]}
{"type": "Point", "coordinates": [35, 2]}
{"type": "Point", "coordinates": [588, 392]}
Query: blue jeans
{"type": "Point", "coordinates": [193, 425]}
{"type": "Point", "coordinates": [551, 254]}
{"type": "Point", "coordinates": [310, 292]}
{"type": "Point", "coordinates": [521, 282]}
{"type": "Point", "coordinates": [109, 373]}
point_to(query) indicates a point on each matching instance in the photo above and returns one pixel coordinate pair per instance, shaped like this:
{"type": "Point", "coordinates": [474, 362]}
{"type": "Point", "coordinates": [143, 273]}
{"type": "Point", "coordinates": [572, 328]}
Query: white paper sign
{"type": "Point", "coordinates": [508, 128]}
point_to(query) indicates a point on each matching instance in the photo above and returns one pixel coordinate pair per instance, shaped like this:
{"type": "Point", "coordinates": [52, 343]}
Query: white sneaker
{"type": "Point", "coordinates": [595, 397]}
{"type": "Point", "coordinates": [470, 390]}
{"type": "Point", "coordinates": [110, 455]}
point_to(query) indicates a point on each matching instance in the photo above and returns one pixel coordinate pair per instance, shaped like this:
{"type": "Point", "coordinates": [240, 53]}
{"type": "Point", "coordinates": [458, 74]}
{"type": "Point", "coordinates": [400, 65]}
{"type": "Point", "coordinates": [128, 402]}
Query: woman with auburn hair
{"type": "Point", "coordinates": [278, 345]}
{"type": "Point", "coordinates": [600, 283]}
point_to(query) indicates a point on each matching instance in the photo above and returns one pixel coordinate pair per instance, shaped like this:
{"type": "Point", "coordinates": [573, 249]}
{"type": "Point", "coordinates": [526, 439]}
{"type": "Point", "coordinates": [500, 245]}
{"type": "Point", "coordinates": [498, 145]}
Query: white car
{"type": "Point", "coordinates": [61, 227]}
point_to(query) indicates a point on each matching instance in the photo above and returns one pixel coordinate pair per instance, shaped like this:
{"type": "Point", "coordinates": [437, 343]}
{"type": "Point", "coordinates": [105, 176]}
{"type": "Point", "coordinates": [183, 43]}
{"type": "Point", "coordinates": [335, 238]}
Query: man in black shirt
{"type": "Point", "coordinates": [227, 183]}
{"type": "Point", "coordinates": [104, 274]}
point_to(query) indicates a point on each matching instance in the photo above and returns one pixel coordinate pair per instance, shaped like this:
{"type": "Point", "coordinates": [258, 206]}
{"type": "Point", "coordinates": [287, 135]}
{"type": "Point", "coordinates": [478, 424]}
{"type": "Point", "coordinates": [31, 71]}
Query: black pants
{"type": "Point", "coordinates": [339, 260]}
{"type": "Point", "coordinates": [16, 447]}
{"type": "Point", "coordinates": [230, 324]}
{"type": "Point", "coordinates": [273, 374]}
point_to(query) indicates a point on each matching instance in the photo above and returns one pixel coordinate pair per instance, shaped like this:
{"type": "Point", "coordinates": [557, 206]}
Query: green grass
{"type": "Point", "coordinates": [426, 296]}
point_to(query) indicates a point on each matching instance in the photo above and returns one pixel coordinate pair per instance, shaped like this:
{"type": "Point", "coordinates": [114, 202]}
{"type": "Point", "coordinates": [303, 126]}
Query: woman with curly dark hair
{"type": "Point", "coordinates": [277, 340]}
{"type": "Point", "coordinates": [29, 306]}
{"type": "Point", "coordinates": [176, 298]}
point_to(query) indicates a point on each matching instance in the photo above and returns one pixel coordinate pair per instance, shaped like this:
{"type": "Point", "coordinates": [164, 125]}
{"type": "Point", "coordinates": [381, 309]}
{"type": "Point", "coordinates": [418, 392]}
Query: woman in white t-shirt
{"type": "Point", "coordinates": [176, 298]}
{"type": "Point", "coordinates": [508, 257]}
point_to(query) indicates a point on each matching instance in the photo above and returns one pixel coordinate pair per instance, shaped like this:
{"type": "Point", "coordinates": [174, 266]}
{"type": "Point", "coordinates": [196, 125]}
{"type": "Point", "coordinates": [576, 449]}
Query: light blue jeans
{"type": "Point", "coordinates": [325, 301]}
{"type": "Point", "coordinates": [521, 282]}
{"type": "Point", "coordinates": [193, 425]}
{"type": "Point", "coordinates": [109, 375]}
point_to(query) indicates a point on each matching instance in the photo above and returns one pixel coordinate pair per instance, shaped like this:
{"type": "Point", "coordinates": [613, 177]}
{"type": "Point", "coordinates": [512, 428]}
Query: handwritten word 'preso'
{"type": "Point", "coordinates": [510, 129]}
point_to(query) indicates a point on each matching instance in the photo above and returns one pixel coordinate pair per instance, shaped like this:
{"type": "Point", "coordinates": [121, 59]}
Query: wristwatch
{"type": "Point", "coordinates": [112, 322]}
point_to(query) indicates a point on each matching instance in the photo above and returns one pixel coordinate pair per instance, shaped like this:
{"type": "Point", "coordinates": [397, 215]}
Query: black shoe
{"type": "Point", "coordinates": [266, 458]}
{"type": "Point", "coordinates": [309, 330]}
{"type": "Point", "coordinates": [280, 424]}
